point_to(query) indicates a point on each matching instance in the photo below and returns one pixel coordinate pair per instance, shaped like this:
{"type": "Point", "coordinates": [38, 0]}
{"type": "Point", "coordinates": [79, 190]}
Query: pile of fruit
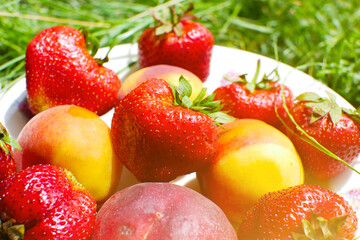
{"type": "Point", "coordinates": [251, 143]}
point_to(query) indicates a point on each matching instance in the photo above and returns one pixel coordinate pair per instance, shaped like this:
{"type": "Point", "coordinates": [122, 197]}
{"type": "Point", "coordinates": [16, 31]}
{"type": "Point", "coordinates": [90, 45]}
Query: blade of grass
{"type": "Point", "coordinates": [54, 19]}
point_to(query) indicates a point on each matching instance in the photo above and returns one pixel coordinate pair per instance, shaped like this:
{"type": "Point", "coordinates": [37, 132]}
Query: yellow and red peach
{"type": "Point", "coordinates": [253, 158]}
{"type": "Point", "coordinates": [166, 72]}
{"type": "Point", "coordinates": [74, 138]}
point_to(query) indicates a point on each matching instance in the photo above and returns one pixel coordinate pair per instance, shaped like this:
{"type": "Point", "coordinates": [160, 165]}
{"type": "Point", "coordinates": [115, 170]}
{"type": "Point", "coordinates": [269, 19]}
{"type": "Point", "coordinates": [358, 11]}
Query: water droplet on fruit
{"type": "Point", "coordinates": [125, 230]}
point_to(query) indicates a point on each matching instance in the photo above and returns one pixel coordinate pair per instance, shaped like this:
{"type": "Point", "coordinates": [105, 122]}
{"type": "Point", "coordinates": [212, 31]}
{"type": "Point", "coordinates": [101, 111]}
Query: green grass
{"type": "Point", "coordinates": [319, 37]}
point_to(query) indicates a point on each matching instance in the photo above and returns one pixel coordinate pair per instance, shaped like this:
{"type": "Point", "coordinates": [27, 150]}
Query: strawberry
{"type": "Point", "coordinates": [255, 99]}
{"type": "Point", "coordinates": [299, 212]}
{"type": "Point", "coordinates": [47, 203]}
{"type": "Point", "coordinates": [159, 133]}
{"type": "Point", "coordinates": [335, 128]}
{"type": "Point", "coordinates": [60, 70]}
{"type": "Point", "coordinates": [180, 42]}
{"type": "Point", "coordinates": [7, 166]}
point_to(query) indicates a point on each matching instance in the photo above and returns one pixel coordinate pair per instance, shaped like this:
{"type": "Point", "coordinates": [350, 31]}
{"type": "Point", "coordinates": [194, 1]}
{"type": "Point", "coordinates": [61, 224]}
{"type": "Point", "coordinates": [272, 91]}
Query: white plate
{"type": "Point", "coordinates": [223, 60]}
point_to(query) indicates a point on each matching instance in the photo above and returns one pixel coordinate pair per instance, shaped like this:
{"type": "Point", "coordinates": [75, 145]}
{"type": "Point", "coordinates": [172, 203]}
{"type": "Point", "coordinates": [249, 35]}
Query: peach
{"type": "Point", "coordinates": [253, 158]}
{"type": "Point", "coordinates": [156, 211]}
{"type": "Point", "coordinates": [167, 72]}
{"type": "Point", "coordinates": [74, 138]}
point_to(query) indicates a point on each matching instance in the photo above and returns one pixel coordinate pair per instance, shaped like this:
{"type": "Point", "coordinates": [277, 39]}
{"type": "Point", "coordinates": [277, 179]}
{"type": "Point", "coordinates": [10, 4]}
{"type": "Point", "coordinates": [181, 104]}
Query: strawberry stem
{"type": "Point", "coordinates": [252, 85]}
{"type": "Point", "coordinates": [263, 84]}
{"type": "Point", "coordinates": [93, 45]}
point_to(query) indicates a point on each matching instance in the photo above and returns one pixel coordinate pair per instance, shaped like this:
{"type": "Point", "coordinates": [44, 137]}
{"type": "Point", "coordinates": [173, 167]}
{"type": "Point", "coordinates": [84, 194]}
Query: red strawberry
{"type": "Point", "coordinates": [49, 203]}
{"type": "Point", "coordinates": [181, 42]}
{"type": "Point", "coordinates": [7, 166]}
{"type": "Point", "coordinates": [282, 214]}
{"type": "Point", "coordinates": [256, 100]}
{"type": "Point", "coordinates": [159, 133]}
{"type": "Point", "coordinates": [60, 70]}
{"type": "Point", "coordinates": [335, 128]}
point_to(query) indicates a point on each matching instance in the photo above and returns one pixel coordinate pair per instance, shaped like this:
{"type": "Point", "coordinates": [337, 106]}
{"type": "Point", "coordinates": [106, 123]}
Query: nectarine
{"type": "Point", "coordinates": [167, 72]}
{"type": "Point", "coordinates": [159, 211]}
{"type": "Point", "coordinates": [74, 138]}
{"type": "Point", "coordinates": [253, 158]}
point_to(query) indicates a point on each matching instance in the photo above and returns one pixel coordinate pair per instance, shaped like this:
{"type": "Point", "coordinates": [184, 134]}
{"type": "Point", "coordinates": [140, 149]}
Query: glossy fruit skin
{"type": "Point", "coordinates": [158, 141]}
{"type": "Point", "coordinates": [74, 138]}
{"type": "Point", "coordinates": [167, 211]}
{"type": "Point", "coordinates": [192, 50]}
{"type": "Point", "coordinates": [59, 71]}
{"type": "Point", "coordinates": [252, 159]}
{"type": "Point", "coordinates": [259, 104]}
{"type": "Point", "coordinates": [50, 203]}
{"type": "Point", "coordinates": [277, 214]}
{"type": "Point", "coordinates": [341, 139]}
{"type": "Point", "coordinates": [167, 72]}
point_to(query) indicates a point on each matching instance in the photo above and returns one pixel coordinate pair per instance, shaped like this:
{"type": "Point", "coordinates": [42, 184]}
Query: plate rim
{"type": "Point", "coordinates": [130, 49]}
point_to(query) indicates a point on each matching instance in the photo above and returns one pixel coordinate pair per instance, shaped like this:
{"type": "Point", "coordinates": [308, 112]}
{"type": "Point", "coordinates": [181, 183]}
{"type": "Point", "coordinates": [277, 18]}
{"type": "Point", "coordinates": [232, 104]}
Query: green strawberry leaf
{"type": "Point", "coordinates": [202, 104]}
{"type": "Point", "coordinates": [265, 84]}
{"type": "Point", "coordinates": [319, 228]}
{"type": "Point", "coordinates": [309, 97]}
{"type": "Point", "coordinates": [211, 104]}
{"type": "Point", "coordinates": [12, 142]}
{"type": "Point", "coordinates": [178, 29]}
{"type": "Point", "coordinates": [335, 113]}
{"type": "Point", "coordinates": [309, 230]}
{"type": "Point", "coordinates": [184, 88]}
{"type": "Point", "coordinates": [331, 96]}
{"type": "Point", "coordinates": [208, 99]}
{"type": "Point", "coordinates": [239, 79]}
{"type": "Point", "coordinates": [250, 86]}
{"type": "Point", "coordinates": [187, 102]}
{"type": "Point", "coordinates": [200, 96]}
{"type": "Point", "coordinates": [323, 106]}
{"type": "Point", "coordinates": [335, 224]}
{"type": "Point", "coordinates": [299, 236]}
{"type": "Point", "coordinates": [164, 28]}
{"type": "Point", "coordinates": [319, 110]}
{"type": "Point", "coordinates": [177, 101]}
{"type": "Point", "coordinates": [354, 114]}
{"type": "Point", "coordinates": [221, 117]}
{"type": "Point", "coordinates": [5, 138]}
{"type": "Point", "coordinates": [174, 23]}
{"type": "Point", "coordinates": [11, 231]}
